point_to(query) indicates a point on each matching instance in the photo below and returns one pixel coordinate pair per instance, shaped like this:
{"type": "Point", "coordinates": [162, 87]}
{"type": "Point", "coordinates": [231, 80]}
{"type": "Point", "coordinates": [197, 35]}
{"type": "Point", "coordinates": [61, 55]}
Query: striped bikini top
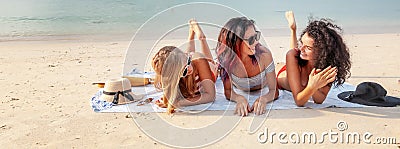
{"type": "Point", "coordinates": [253, 81]}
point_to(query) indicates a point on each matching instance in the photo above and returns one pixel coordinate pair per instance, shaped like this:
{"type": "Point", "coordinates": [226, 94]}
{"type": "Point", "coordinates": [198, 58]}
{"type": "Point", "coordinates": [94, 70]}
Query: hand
{"type": "Point", "coordinates": [161, 103]}
{"type": "Point", "coordinates": [170, 109]}
{"type": "Point", "coordinates": [318, 79]}
{"type": "Point", "coordinates": [259, 106]}
{"type": "Point", "coordinates": [291, 21]}
{"type": "Point", "coordinates": [242, 106]}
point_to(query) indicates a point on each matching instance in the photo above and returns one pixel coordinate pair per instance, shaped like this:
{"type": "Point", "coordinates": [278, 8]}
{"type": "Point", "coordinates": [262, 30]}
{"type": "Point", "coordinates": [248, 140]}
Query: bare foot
{"type": "Point", "coordinates": [196, 28]}
{"type": "Point", "coordinates": [291, 21]}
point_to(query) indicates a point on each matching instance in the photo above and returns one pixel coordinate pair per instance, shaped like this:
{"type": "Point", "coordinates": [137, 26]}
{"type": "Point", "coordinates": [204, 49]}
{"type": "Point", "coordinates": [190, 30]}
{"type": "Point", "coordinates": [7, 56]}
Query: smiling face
{"type": "Point", "coordinates": [248, 49]}
{"type": "Point", "coordinates": [306, 47]}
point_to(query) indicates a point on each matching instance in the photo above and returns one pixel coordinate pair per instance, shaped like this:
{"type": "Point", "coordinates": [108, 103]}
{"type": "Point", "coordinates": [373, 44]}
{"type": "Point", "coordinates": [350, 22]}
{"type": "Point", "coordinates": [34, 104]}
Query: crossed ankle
{"type": "Point", "coordinates": [202, 37]}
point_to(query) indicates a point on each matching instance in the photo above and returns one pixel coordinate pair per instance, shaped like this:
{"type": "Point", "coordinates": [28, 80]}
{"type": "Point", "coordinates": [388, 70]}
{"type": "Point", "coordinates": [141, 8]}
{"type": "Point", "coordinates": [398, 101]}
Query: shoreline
{"type": "Point", "coordinates": [123, 36]}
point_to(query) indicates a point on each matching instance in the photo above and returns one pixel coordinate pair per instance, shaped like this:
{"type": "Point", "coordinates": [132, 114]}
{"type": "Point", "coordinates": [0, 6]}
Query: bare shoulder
{"type": "Point", "coordinates": [199, 60]}
{"type": "Point", "coordinates": [265, 55]}
{"type": "Point", "coordinates": [291, 59]}
{"type": "Point", "coordinates": [203, 68]}
{"type": "Point", "coordinates": [291, 53]}
{"type": "Point", "coordinates": [264, 49]}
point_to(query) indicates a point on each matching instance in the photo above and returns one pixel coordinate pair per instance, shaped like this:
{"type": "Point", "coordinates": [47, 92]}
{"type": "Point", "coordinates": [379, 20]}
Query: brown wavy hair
{"type": "Point", "coordinates": [229, 40]}
{"type": "Point", "coordinates": [330, 49]}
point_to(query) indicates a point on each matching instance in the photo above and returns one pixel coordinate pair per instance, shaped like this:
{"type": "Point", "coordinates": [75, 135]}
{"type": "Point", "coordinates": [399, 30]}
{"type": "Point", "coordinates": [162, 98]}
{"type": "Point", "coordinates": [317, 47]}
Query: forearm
{"type": "Point", "coordinates": [319, 97]}
{"type": "Point", "coordinates": [207, 94]}
{"type": "Point", "coordinates": [268, 97]}
{"type": "Point", "coordinates": [302, 97]}
{"type": "Point", "coordinates": [271, 82]}
{"type": "Point", "coordinates": [293, 39]}
{"type": "Point", "coordinates": [204, 98]}
{"type": "Point", "coordinates": [231, 95]}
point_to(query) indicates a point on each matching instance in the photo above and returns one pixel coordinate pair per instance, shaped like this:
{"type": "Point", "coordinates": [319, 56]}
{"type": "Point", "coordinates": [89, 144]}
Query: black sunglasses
{"type": "Point", "coordinates": [253, 38]}
{"type": "Point", "coordinates": [189, 61]}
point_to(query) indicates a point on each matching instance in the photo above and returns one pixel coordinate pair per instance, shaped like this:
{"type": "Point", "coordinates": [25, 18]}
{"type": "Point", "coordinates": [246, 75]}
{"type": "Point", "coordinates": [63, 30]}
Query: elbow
{"type": "Point", "coordinates": [227, 97]}
{"type": "Point", "coordinates": [213, 97]}
{"type": "Point", "coordinates": [299, 103]}
{"type": "Point", "coordinates": [208, 97]}
{"type": "Point", "coordinates": [318, 102]}
{"type": "Point", "coordinates": [227, 94]}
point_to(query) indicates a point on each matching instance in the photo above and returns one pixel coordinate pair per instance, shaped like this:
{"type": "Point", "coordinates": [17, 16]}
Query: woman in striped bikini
{"type": "Point", "coordinates": [245, 64]}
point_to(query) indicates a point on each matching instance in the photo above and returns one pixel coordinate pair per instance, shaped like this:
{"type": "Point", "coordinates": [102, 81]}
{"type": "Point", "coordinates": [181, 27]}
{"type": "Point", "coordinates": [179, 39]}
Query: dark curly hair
{"type": "Point", "coordinates": [330, 49]}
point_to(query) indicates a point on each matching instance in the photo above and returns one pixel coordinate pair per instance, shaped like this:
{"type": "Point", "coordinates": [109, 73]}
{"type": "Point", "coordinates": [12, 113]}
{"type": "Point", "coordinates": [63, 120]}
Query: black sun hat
{"type": "Point", "coordinates": [371, 94]}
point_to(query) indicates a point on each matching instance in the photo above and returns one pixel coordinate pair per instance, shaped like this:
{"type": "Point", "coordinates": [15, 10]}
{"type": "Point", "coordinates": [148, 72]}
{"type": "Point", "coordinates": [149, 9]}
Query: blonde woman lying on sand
{"type": "Point", "coordinates": [319, 59]}
{"type": "Point", "coordinates": [185, 78]}
{"type": "Point", "coordinates": [245, 64]}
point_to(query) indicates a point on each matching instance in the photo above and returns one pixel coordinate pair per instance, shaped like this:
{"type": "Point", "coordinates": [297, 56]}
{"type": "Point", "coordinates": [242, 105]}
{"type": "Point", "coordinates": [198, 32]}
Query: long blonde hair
{"type": "Point", "coordinates": [168, 64]}
{"type": "Point", "coordinates": [158, 62]}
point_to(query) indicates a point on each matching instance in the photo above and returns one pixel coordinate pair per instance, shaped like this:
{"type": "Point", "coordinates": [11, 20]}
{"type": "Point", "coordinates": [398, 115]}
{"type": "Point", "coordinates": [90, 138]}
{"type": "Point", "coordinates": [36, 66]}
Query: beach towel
{"type": "Point", "coordinates": [285, 100]}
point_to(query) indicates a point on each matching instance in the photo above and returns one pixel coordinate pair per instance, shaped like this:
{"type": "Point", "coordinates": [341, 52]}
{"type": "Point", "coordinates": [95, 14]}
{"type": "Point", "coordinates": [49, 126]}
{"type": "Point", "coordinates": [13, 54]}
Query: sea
{"type": "Point", "coordinates": [57, 18]}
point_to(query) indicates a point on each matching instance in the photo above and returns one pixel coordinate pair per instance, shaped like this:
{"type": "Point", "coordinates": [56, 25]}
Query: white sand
{"type": "Point", "coordinates": [46, 88]}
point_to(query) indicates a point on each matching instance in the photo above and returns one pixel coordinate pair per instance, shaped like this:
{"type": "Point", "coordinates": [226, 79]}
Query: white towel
{"type": "Point", "coordinates": [285, 100]}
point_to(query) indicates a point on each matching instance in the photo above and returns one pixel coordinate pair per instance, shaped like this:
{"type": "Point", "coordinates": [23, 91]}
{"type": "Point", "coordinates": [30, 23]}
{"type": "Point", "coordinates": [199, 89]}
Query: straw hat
{"type": "Point", "coordinates": [118, 91]}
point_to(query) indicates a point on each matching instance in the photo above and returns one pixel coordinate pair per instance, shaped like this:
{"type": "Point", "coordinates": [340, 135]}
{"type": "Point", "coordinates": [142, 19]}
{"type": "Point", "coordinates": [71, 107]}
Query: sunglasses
{"type": "Point", "coordinates": [253, 38]}
{"type": "Point", "coordinates": [189, 61]}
